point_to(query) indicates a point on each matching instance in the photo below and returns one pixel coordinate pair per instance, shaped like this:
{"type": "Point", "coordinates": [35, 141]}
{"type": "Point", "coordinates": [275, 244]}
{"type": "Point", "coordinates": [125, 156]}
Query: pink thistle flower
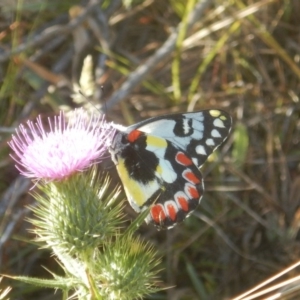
{"type": "Point", "coordinates": [65, 149]}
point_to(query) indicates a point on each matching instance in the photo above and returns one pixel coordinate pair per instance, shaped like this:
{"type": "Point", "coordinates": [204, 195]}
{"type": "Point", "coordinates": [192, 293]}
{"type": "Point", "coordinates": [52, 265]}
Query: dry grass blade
{"type": "Point", "coordinates": [4, 293]}
{"type": "Point", "coordinates": [250, 295]}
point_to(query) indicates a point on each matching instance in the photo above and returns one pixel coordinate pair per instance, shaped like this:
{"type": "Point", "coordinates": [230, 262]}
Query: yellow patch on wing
{"type": "Point", "coordinates": [217, 114]}
{"type": "Point", "coordinates": [214, 113]}
{"type": "Point", "coordinates": [156, 142]}
{"type": "Point", "coordinates": [136, 192]}
{"type": "Point", "coordinates": [159, 170]}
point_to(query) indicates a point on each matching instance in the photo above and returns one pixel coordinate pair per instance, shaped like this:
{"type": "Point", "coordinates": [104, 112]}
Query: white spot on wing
{"type": "Point", "coordinates": [195, 161]}
{"type": "Point", "coordinates": [210, 142]}
{"type": "Point", "coordinates": [166, 171]}
{"type": "Point", "coordinates": [200, 150]}
{"type": "Point", "coordinates": [215, 133]}
{"type": "Point", "coordinates": [219, 123]}
{"type": "Point", "coordinates": [186, 126]}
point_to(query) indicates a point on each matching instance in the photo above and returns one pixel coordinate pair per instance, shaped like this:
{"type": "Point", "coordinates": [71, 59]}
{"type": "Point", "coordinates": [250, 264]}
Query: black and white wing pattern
{"type": "Point", "coordinates": [158, 162]}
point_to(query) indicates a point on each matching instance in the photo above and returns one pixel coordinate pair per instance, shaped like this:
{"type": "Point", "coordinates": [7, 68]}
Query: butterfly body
{"type": "Point", "coordinates": [158, 162]}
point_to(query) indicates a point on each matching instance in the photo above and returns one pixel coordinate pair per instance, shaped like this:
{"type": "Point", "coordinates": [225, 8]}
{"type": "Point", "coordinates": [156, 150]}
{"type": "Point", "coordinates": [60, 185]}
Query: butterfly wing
{"type": "Point", "coordinates": [156, 173]}
{"type": "Point", "coordinates": [157, 161]}
{"type": "Point", "coordinates": [197, 133]}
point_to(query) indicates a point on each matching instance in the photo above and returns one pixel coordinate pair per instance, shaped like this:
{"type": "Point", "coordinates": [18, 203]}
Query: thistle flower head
{"type": "Point", "coordinates": [66, 148]}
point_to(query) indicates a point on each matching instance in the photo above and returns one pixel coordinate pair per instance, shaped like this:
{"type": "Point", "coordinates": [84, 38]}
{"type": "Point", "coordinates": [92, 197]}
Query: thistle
{"type": "Point", "coordinates": [66, 149]}
{"type": "Point", "coordinates": [78, 215]}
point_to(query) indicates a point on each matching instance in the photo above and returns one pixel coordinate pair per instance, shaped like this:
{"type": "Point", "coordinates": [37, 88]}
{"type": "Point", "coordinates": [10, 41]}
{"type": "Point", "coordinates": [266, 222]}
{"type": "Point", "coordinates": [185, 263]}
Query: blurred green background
{"type": "Point", "coordinates": [139, 59]}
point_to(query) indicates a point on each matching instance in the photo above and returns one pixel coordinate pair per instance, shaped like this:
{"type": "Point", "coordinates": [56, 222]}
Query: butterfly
{"type": "Point", "coordinates": [158, 162]}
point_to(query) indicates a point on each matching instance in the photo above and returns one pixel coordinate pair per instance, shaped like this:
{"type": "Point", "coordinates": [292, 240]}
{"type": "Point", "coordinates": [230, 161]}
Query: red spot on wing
{"type": "Point", "coordinates": [183, 202]}
{"type": "Point", "coordinates": [183, 159]}
{"type": "Point", "coordinates": [172, 210]}
{"type": "Point", "coordinates": [191, 177]}
{"type": "Point", "coordinates": [192, 191]}
{"type": "Point", "coordinates": [157, 213]}
{"type": "Point", "coordinates": [134, 135]}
